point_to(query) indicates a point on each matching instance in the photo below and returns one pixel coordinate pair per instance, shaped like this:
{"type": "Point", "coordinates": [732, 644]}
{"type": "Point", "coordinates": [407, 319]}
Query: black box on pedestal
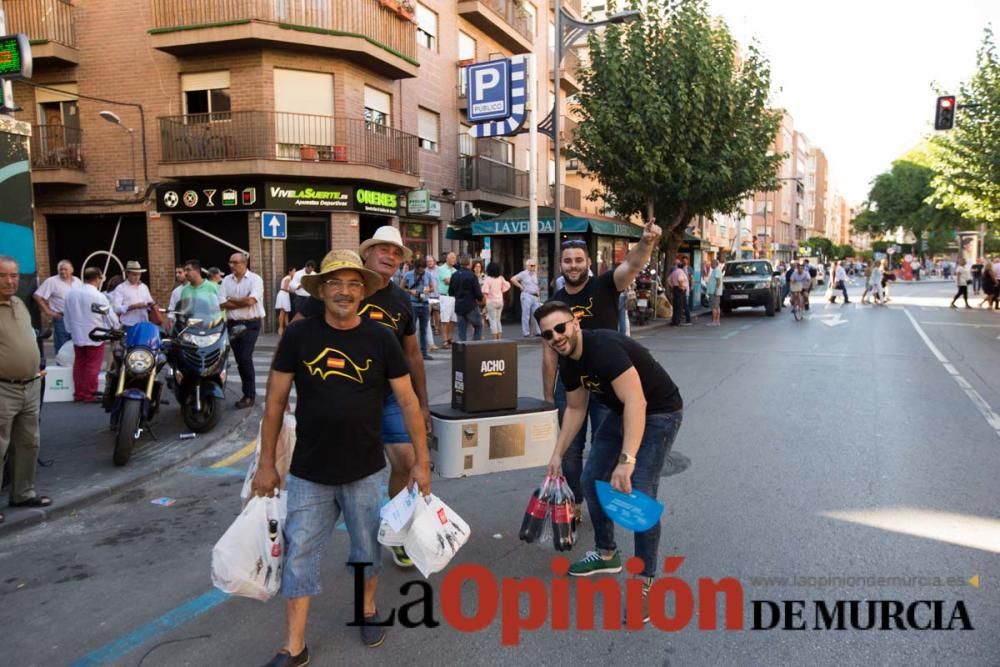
{"type": "Point", "coordinates": [484, 376]}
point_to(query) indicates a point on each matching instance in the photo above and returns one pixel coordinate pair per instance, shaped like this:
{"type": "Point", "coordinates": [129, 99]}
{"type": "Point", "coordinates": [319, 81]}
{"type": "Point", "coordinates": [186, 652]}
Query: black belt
{"type": "Point", "coordinates": [20, 382]}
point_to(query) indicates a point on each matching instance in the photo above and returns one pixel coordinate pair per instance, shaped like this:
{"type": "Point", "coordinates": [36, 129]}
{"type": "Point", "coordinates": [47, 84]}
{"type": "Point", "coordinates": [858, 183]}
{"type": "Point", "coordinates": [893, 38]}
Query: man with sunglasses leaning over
{"type": "Point", "coordinates": [593, 300]}
{"type": "Point", "coordinates": [644, 414]}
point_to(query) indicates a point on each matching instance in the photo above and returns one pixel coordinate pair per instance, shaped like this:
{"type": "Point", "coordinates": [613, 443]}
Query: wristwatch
{"type": "Point", "coordinates": [627, 459]}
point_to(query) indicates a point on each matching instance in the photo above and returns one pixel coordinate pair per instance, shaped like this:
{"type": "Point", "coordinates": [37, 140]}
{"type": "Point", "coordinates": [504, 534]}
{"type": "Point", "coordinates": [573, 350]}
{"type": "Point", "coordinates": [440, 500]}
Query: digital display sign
{"type": "Point", "coordinates": [15, 57]}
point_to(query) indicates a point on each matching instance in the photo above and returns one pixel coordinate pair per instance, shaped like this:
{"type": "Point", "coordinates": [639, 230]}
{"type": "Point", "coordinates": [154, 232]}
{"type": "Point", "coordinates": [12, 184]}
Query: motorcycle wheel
{"type": "Point", "coordinates": [128, 424]}
{"type": "Point", "coordinates": [204, 421]}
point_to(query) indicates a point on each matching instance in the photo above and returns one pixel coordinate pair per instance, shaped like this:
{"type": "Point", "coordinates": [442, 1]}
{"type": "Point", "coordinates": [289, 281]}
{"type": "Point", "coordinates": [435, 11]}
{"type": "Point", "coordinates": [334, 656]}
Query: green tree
{"type": "Point", "coordinates": [820, 247]}
{"type": "Point", "coordinates": [674, 120]}
{"type": "Point", "coordinates": [968, 159]}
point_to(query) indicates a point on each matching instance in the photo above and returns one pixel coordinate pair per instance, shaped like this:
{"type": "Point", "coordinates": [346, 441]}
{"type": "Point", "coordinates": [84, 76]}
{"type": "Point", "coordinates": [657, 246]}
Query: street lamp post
{"type": "Point", "coordinates": [564, 38]}
{"type": "Point", "coordinates": [114, 119]}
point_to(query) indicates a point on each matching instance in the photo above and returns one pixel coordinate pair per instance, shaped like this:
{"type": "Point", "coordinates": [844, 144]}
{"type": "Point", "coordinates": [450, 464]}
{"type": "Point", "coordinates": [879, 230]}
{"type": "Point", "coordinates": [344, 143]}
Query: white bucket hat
{"type": "Point", "coordinates": [385, 234]}
{"type": "Point", "coordinates": [133, 266]}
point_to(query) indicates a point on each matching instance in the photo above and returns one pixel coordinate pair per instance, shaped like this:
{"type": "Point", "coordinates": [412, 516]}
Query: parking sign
{"type": "Point", "coordinates": [488, 84]}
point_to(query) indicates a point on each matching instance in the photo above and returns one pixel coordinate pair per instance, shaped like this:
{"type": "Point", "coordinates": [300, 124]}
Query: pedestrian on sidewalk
{"type": "Point", "coordinates": [715, 293]}
{"type": "Point", "coordinates": [962, 279]}
{"type": "Point", "coordinates": [435, 301]}
{"type": "Point", "coordinates": [688, 295]}
{"type": "Point", "coordinates": [645, 411]}
{"type": "Point", "coordinates": [51, 296]}
{"type": "Point", "coordinates": [131, 300]}
{"type": "Point", "coordinates": [88, 355]}
{"type": "Point", "coordinates": [678, 283]}
{"type": "Point", "coordinates": [876, 280]}
{"type": "Point", "coordinates": [494, 288]}
{"type": "Point", "coordinates": [283, 301]}
{"type": "Point", "coordinates": [447, 302]}
{"type": "Point", "coordinates": [989, 287]}
{"type": "Point", "coordinates": [180, 281]}
{"type": "Point", "coordinates": [527, 282]}
{"type": "Point", "coordinates": [464, 287]}
{"type": "Point", "coordinates": [868, 281]}
{"type": "Point", "coordinates": [977, 275]}
{"type": "Point", "coordinates": [300, 297]}
{"type": "Point", "coordinates": [343, 366]}
{"type": "Point", "coordinates": [915, 267]}
{"type": "Point", "coordinates": [242, 297]}
{"type": "Point", "coordinates": [419, 284]}
{"type": "Point", "coordinates": [840, 283]}
{"type": "Point", "coordinates": [20, 390]}
{"type": "Point", "coordinates": [593, 301]}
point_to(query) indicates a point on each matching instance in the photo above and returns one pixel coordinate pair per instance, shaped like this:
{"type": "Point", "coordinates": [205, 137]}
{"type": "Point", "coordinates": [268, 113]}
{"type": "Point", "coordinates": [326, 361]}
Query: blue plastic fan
{"type": "Point", "coordinates": [635, 511]}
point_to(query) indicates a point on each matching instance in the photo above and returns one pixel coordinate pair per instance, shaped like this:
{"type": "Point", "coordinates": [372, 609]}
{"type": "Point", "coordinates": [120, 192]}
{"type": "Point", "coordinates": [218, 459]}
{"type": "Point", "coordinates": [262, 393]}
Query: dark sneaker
{"type": "Point", "coordinates": [400, 558]}
{"type": "Point", "coordinates": [593, 563]}
{"type": "Point", "coordinates": [373, 635]}
{"type": "Point", "coordinates": [285, 659]}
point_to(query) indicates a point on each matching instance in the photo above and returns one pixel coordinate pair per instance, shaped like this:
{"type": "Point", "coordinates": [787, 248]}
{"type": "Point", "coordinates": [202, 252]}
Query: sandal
{"type": "Point", "coordinates": [37, 501]}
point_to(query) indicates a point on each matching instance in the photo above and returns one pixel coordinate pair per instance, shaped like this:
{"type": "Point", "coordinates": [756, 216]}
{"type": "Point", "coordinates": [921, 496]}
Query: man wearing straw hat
{"type": "Point", "coordinates": [131, 300]}
{"type": "Point", "coordinates": [342, 365]}
{"type": "Point", "coordinates": [390, 306]}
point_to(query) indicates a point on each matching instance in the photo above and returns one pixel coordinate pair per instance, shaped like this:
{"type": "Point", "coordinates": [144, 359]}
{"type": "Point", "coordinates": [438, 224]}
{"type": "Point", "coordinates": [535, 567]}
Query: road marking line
{"type": "Point", "coordinates": [114, 651]}
{"type": "Point", "coordinates": [244, 452]}
{"type": "Point", "coordinates": [963, 324]}
{"type": "Point", "coordinates": [984, 408]}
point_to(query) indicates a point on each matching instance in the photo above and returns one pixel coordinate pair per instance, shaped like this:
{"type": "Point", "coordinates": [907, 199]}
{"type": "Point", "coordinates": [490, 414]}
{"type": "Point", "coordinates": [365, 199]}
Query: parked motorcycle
{"type": "Point", "coordinates": [131, 388]}
{"type": "Point", "coordinates": [644, 282]}
{"type": "Point", "coordinates": [199, 353]}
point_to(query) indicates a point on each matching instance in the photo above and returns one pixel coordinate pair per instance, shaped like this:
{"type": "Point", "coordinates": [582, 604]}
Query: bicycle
{"type": "Point", "coordinates": [797, 304]}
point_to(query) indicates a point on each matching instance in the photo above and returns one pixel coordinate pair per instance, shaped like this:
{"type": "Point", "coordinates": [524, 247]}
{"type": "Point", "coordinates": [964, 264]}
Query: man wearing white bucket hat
{"type": "Point", "coordinates": [131, 300]}
{"type": "Point", "coordinates": [342, 365]}
{"type": "Point", "coordinates": [390, 306]}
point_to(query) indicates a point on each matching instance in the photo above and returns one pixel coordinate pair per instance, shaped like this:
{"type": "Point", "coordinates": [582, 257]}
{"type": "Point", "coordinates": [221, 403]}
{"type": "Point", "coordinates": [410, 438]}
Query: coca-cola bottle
{"type": "Point", "coordinates": [562, 516]}
{"type": "Point", "coordinates": [534, 515]}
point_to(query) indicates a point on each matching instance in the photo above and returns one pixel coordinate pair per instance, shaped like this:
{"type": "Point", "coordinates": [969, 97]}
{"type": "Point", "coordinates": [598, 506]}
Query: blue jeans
{"type": "Point", "coordinates": [657, 439]}
{"type": "Point", "coordinates": [474, 318]}
{"type": "Point", "coordinates": [422, 313]}
{"type": "Point", "coordinates": [572, 463]}
{"type": "Point", "coordinates": [313, 511]}
{"type": "Point", "coordinates": [529, 304]}
{"type": "Point", "coordinates": [59, 334]}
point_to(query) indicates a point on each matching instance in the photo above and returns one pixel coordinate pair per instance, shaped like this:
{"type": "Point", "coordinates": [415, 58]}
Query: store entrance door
{"type": "Point", "coordinates": [308, 238]}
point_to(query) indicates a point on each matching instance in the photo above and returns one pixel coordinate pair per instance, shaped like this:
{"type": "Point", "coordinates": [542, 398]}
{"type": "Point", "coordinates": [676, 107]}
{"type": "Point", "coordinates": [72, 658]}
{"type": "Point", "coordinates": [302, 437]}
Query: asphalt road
{"type": "Point", "coordinates": [860, 443]}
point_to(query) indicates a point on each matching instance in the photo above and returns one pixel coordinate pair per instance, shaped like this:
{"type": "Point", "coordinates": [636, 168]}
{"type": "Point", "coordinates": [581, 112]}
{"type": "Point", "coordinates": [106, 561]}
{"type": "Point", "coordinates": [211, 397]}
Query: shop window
{"type": "Point", "coordinates": [416, 237]}
{"type": "Point", "coordinates": [427, 28]}
{"type": "Point", "coordinates": [428, 124]}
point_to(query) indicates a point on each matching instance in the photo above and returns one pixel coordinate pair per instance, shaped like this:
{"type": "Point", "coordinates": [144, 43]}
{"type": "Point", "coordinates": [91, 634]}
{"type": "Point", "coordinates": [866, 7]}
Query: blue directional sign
{"type": "Point", "coordinates": [273, 225]}
{"type": "Point", "coordinates": [488, 84]}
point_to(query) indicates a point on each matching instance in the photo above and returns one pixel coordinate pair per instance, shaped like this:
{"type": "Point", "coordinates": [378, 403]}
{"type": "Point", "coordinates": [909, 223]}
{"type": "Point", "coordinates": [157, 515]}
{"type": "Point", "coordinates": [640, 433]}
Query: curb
{"type": "Point", "coordinates": [41, 516]}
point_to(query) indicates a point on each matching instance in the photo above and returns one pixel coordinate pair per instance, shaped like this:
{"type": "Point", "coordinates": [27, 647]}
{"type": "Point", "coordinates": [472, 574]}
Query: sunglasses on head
{"type": "Point", "coordinates": [574, 243]}
{"type": "Point", "coordinates": [557, 329]}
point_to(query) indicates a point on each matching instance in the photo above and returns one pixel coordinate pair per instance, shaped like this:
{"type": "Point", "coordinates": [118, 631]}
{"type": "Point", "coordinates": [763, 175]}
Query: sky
{"type": "Point", "coordinates": [857, 76]}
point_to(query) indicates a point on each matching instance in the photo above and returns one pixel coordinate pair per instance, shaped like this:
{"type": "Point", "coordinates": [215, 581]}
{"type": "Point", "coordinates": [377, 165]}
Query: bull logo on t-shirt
{"type": "Point", "coordinates": [380, 315]}
{"type": "Point", "coordinates": [580, 312]}
{"type": "Point", "coordinates": [332, 361]}
{"type": "Point", "coordinates": [593, 386]}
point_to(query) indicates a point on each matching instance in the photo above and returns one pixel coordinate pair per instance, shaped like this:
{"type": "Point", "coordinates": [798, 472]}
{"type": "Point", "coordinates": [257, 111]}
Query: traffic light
{"type": "Point", "coordinates": [944, 117]}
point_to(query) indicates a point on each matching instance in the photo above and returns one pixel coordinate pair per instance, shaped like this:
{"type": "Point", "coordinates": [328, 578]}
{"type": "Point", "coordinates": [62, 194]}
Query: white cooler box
{"type": "Point", "coordinates": [465, 443]}
{"type": "Point", "coordinates": [59, 384]}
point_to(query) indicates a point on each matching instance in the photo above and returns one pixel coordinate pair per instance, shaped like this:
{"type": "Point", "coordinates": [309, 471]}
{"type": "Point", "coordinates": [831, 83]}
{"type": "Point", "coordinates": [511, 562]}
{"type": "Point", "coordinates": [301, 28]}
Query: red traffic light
{"type": "Point", "coordinates": [947, 102]}
{"type": "Point", "coordinates": [944, 115]}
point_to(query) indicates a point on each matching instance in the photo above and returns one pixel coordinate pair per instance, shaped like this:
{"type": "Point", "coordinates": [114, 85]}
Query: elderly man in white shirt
{"type": "Point", "coordinates": [241, 295]}
{"type": "Point", "coordinates": [131, 300]}
{"type": "Point", "coordinates": [300, 297]}
{"type": "Point", "coordinates": [80, 319]}
{"type": "Point", "coordinates": [50, 297]}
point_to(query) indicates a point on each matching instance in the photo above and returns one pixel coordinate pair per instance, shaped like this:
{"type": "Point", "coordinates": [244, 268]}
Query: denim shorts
{"type": "Point", "coordinates": [393, 427]}
{"type": "Point", "coordinates": [313, 512]}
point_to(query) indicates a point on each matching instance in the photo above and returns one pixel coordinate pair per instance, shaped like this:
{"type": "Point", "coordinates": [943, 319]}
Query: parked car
{"type": "Point", "coordinates": [751, 283]}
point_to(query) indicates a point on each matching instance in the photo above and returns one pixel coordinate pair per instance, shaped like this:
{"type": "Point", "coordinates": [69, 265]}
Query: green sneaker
{"type": "Point", "coordinates": [400, 558]}
{"type": "Point", "coordinates": [593, 563]}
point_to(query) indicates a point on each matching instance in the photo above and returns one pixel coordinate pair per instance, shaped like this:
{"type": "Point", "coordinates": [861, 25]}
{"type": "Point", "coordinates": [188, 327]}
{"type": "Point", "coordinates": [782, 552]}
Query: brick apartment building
{"type": "Point", "coordinates": [331, 111]}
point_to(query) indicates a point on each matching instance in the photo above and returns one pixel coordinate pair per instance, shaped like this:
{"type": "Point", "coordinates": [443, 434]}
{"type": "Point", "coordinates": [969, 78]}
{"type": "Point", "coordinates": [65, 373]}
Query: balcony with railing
{"type": "Point", "coordinates": [483, 179]}
{"type": "Point", "coordinates": [503, 20]}
{"type": "Point", "coordinates": [57, 155]}
{"type": "Point", "coordinates": [567, 72]}
{"type": "Point", "coordinates": [573, 6]}
{"type": "Point", "coordinates": [570, 196]}
{"type": "Point", "coordinates": [461, 94]}
{"type": "Point", "coordinates": [273, 143]}
{"type": "Point", "coordinates": [49, 25]}
{"type": "Point", "coordinates": [378, 34]}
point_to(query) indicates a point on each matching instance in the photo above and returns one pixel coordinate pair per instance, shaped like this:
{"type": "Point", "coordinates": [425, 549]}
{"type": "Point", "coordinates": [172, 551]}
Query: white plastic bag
{"type": "Point", "coordinates": [435, 535]}
{"type": "Point", "coordinates": [396, 517]}
{"type": "Point", "coordinates": [282, 457]}
{"type": "Point", "coordinates": [247, 559]}
{"type": "Point", "coordinates": [66, 355]}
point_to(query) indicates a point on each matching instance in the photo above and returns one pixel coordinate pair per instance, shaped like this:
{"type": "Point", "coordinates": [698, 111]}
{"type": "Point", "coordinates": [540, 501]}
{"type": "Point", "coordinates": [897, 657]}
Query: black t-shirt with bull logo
{"type": "Point", "coordinates": [390, 307]}
{"type": "Point", "coordinates": [341, 378]}
{"type": "Point", "coordinates": [596, 305]}
{"type": "Point", "coordinates": [608, 354]}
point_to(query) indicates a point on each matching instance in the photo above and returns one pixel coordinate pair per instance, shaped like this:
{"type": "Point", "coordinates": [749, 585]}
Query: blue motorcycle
{"type": "Point", "coordinates": [132, 387]}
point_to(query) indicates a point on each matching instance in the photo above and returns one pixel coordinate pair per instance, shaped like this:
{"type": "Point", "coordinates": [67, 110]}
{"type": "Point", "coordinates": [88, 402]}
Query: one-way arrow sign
{"type": "Point", "coordinates": [274, 225]}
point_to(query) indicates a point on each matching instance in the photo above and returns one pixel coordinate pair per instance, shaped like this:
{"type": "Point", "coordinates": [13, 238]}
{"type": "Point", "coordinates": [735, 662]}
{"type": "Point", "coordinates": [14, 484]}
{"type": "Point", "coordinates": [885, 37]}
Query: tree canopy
{"type": "Point", "coordinates": [968, 159]}
{"type": "Point", "coordinates": [674, 119]}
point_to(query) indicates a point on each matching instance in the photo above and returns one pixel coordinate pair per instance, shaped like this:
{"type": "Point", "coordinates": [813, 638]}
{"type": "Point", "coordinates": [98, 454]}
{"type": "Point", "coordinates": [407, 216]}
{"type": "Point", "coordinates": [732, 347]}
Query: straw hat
{"type": "Point", "coordinates": [339, 260]}
{"type": "Point", "coordinates": [386, 234]}
{"type": "Point", "coordinates": [134, 266]}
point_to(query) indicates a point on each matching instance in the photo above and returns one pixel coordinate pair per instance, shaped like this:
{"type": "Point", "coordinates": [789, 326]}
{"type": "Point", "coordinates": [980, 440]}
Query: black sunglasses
{"type": "Point", "coordinates": [574, 243]}
{"type": "Point", "coordinates": [558, 329]}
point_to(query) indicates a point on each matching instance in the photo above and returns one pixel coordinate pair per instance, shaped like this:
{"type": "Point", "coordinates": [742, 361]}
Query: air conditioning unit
{"type": "Point", "coordinates": [464, 208]}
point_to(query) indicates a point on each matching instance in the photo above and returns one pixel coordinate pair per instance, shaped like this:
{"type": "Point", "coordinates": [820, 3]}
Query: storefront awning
{"type": "Point", "coordinates": [515, 223]}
